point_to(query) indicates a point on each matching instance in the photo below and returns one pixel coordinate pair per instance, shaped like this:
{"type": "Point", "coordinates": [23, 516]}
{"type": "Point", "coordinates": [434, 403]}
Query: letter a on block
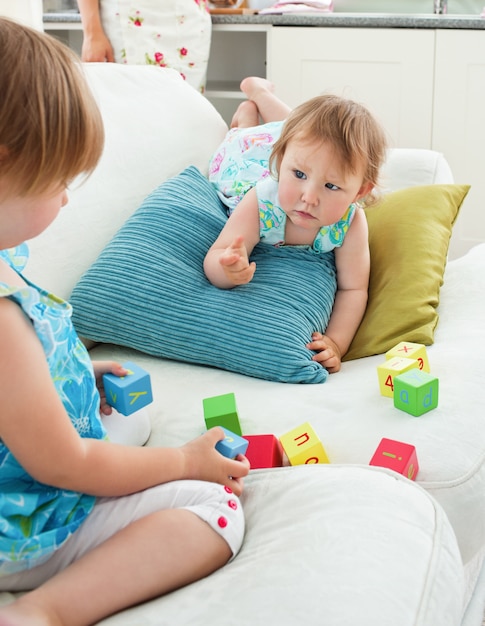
{"type": "Point", "coordinates": [302, 446]}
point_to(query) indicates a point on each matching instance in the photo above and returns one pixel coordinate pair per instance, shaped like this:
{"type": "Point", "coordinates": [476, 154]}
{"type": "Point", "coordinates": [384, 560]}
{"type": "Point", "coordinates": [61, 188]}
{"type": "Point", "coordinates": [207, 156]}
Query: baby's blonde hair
{"type": "Point", "coordinates": [50, 126]}
{"type": "Point", "coordinates": [357, 138]}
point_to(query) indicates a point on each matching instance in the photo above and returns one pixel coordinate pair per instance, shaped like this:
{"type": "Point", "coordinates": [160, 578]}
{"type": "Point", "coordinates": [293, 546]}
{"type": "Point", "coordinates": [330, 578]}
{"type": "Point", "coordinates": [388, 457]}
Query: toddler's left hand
{"type": "Point", "coordinates": [328, 353]}
{"type": "Point", "coordinates": [106, 367]}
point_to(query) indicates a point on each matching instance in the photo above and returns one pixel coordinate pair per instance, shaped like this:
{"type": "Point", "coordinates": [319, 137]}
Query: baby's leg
{"type": "Point", "coordinates": [261, 92]}
{"type": "Point", "coordinates": [148, 558]}
{"type": "Point", "coordinates": [246, 115]}
{"type": "Point", "coordinates": [130, 550]}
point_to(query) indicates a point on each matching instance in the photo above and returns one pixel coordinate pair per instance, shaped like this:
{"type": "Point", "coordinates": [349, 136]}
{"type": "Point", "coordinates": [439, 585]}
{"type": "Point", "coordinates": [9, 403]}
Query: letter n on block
{"type": "Point", "coordinates": [302, 446]}
{"type": "Point", "coordinates": [397, 456]}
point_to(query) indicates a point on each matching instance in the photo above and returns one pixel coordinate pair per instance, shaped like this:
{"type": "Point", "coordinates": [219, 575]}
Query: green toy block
{"type": "Point", "coordinates": [222, 411]}
{"type": "Point", "coordinates": [416, 392]}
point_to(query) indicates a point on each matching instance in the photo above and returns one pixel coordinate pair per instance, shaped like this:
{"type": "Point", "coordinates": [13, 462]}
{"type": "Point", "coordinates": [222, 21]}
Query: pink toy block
{"type": "Point", "coordinates": [232, 444]}
{"type": "Point", "coordinates": [410, 350]}
{"type": "Point", "coordinates": [302, 446]}
{"type": "Point", "coordinates": [264, 451]}
{"type": "Point", "coordinates": [397, 456]}
{"type": "Point", "coordinates": [129, 393]}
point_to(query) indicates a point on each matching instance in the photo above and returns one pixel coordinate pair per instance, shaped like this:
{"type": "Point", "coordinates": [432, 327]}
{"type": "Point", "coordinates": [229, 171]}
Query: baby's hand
{"type": "Point", "coordinates": [106, 367]}
{"type": "Point", "coordinates": [204, 462]}
{"type": "Point", "coordinates": [235, 263]}
{"type": "Point", "coordinates": [328, 353]}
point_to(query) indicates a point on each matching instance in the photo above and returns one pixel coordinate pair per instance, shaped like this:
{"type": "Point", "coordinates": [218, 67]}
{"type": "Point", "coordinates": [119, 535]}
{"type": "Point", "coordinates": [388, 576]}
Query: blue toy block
{"type": "Point", "coordinates": [129, 393]}
{"type": "Point", "coordinates": [232, 444]}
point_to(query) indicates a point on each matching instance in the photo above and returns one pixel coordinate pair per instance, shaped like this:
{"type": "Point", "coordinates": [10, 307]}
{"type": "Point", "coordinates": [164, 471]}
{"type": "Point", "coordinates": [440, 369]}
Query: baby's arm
{"type": "Point", "coordinates": [227, 262]}
{"type": "Point", "coordinates": [37, 429]}
{"type": "Point", "coordinates": [353, 268]}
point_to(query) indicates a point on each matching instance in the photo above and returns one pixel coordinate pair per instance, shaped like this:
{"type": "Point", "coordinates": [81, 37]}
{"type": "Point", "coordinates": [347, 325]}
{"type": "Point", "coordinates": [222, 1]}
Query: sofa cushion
{"type": "Point", "coordinates": [409, 234]}
{"type": "Point", "coordinates": [148, 291]}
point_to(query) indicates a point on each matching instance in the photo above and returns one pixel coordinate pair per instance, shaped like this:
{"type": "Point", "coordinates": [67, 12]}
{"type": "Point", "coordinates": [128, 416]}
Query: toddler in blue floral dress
{"type": "Point", "coordinates": [299, 181]}
{"type": "Point", "coordinates": [75, 509]}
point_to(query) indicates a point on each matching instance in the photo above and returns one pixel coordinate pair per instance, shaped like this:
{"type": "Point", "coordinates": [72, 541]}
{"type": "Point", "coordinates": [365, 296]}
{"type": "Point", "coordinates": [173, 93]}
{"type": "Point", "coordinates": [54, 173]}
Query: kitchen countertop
{"type": "Point", "coordinates": [348, 20]}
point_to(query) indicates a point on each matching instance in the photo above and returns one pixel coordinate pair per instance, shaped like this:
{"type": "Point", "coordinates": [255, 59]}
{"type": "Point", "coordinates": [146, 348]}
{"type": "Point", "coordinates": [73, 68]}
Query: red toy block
{"type": "Point", "coordinates": [264, 451]}
{"type": "Point", "coordinates": [397, 456]}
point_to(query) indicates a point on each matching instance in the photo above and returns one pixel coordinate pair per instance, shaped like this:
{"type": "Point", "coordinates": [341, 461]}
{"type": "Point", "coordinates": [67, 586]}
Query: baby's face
{"type": "Point", "coordinates": [313, 189]}
{"type": "Point", "coordinates": [25, 217]}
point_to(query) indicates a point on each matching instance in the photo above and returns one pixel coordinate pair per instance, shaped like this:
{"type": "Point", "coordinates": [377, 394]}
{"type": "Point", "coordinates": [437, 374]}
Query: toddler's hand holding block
{"type": "Point", "coordinates": [221, 411]}
{"type": "Point", "coordinates": [302, 446]}
{"type": "Point", "coordinates": [397, 456]}
{"type": "Point", "coordinates": [129, 393]}
{"type": "Point", "coordinates": [264, 451]}
{"type": "Point", "coordinates": [232, 444]}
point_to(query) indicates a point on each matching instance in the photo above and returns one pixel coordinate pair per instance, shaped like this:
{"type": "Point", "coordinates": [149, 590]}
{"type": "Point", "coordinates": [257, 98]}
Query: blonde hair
{"type": "Point", "coordinates": [357, 138]}
{"type": "Point", "coordinates": [50, 126]}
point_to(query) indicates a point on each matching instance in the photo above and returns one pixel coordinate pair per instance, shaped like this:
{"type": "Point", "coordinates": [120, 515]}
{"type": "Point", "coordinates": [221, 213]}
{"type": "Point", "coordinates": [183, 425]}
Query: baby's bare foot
{"type": "Point", "coordinates": [251, 86]}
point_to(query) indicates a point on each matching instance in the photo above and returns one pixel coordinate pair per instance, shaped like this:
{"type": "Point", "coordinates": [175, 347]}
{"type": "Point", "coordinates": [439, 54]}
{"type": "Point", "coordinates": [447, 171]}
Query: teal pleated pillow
{"type": "Point", "coordinates": [148, 291]}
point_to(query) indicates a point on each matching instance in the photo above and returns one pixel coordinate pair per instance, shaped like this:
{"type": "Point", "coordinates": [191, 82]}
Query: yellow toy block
{"type": "Point", "coordinates": [302, 446]}
{"type": "Point", "coordinates": [390, 368]}
{"type": "Point", "coordinates": [411, 350]}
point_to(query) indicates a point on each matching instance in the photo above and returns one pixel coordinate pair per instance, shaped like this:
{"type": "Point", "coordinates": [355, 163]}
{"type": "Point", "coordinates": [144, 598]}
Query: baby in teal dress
{"type": "Point", "coordinates": [75, 509]}
{"type": "Point", "coordinates": [299, 179]}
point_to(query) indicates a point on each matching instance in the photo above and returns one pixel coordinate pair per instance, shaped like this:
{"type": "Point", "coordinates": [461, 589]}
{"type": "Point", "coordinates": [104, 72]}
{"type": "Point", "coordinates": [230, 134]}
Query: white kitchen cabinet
{"type": "Point", "coordinates": [389, 70]}
{"type": "Point", "coordinates": [459, 125]}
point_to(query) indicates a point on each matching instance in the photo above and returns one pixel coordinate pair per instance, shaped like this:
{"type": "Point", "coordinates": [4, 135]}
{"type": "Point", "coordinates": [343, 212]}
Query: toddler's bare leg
{"type": "Point", "coordinates": [246, 115]}
{"type": "Point", "coordinates": [150, 557]}
{"type": "Point", "coordinates": [261, 92]}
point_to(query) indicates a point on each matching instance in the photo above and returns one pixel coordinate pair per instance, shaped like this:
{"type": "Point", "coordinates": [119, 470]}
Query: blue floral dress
{"type": "Point", "coordinates": [36, 519]}
{"type": "Point", "coordinates": [242, 162]}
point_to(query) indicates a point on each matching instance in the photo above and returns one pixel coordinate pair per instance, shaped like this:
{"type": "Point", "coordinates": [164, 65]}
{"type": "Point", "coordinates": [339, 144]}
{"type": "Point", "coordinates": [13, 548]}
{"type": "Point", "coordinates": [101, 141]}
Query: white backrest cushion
{"type": "Point", "coordinates": [410, 167]}
{"type": "Point", "coordinates": [155, 125]}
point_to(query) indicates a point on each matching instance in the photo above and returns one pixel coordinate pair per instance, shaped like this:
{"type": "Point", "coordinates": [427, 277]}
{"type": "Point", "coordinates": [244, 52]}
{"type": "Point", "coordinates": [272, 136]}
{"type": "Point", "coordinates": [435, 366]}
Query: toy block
{"type": "Point", "coordinates": [397, 456]}
{"type": "Point", "coordinates": [232, 444]}
{"type": "Point", "coordinates": [129, 393]}
{"type": "Point", "coordinates": [415, 392]}
{"type": "Point", "coordinates": [411, 351]}
{"type": "Point", "coordinates": [302, 446]}
{"type": "Point", "coordinates": [221, 411]}
{"type": "Point", "coordinates": [387, 371]}
{"type": "Point", "coordinates": [264, 451]}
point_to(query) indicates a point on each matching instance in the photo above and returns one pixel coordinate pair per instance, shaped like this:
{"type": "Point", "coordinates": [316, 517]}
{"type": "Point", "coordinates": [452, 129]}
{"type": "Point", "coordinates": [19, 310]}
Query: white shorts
{"type": "Point", "coordinates": [213, 503]}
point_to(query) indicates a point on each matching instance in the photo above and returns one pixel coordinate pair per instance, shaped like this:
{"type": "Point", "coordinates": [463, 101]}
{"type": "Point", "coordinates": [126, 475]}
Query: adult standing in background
{"type": "Point", "coordinates": [167, 33]}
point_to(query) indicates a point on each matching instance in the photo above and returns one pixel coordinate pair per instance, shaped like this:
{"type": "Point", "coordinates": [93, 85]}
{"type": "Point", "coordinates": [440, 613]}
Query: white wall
{"type": "Point", "coordinates": [28, 12]}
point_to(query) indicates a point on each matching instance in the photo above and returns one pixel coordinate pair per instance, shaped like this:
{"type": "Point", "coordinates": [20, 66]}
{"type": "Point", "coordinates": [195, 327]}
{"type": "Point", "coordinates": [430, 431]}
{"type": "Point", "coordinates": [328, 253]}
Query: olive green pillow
{"type": "Point", "coordinates": [409, 234]}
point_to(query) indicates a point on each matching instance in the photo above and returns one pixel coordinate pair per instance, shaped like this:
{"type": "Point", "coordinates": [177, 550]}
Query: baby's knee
{"type": "Point", "coordinates": [223, 511]}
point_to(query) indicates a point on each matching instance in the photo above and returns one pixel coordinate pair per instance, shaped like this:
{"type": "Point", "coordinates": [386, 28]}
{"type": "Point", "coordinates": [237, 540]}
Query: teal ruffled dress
{"type": "Point", "coordinates": [36, 519]}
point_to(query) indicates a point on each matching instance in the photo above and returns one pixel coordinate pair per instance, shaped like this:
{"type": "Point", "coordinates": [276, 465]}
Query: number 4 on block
{"type": "Point", "coordinates": [391, 368]}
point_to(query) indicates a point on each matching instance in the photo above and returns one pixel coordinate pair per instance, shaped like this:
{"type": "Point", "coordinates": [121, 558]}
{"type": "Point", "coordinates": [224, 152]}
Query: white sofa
{"type": "Point", "coordinates": [338, 544]}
